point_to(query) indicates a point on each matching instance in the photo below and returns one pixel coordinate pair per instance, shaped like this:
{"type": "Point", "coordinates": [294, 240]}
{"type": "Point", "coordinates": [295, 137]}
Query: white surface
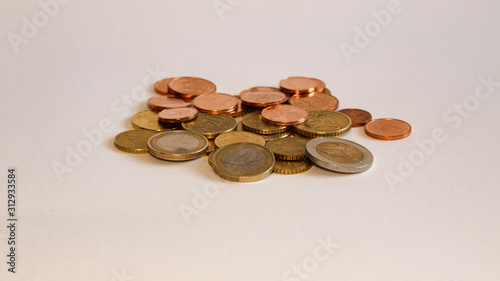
{"type": "Point", "coordinates": [116, 216]}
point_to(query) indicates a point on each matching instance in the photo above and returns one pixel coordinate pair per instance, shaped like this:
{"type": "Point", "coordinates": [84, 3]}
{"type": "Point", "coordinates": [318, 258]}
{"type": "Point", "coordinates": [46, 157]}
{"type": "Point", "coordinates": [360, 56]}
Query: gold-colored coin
{"type": "Point", "coordinates": [177, 145]}
{"type": "Point", "coordinates": [291, 167]}
{"type": "Point", "coordinates": [243, 162]}
{"type": "Point", "coordinates": [288, 148]}
{"type": "Point", "coordinates": [134, 141]}
{"type": "Point", "coordinates": [327, 91]}
{"type": "Point", "coordinates": [210, 125]}
{"type": "Point", "coordinates": [324, 123]}
{"type": "Point", "coordinates": [278, 136]}
{"type": "Point", "coordinates": [236, 137]}
{"type": "Point", "coordinates": [148, 120]}
{"type": "Point", "coordinates": [211, 159]}
{"type": "Point", "coordinates": [253, 122]}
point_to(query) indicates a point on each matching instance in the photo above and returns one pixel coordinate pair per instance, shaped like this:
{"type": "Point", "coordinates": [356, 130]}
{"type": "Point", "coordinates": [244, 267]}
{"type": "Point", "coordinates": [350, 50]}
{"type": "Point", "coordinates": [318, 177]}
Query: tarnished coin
{"type": "Point", "coordinates": [324, 123]}
{"type": "Point", "coordinates": [243, 162]}
{"type": "Point", "coordinates": [314, 101]}
{"type": "Point", "coordinates": [262, 96]}
{"type": "Point", "coordinates": [190, 87]}
{"type": "Point", "coordinates": [301, 85]}
{"type": "Point", "coordinates": [216, 103]}
{"type": "Point", "coordinates": [210, 125]}
{"type": "Point", "coordinates": [148, 120]}
{"type": "Point", "coordinates": [159, 103]}
{"type": "Point", "coordinates": [288, 148]}
{"type": "Point", "coordinates": [177, 115]}
{"type": "Point", "coordinates": [387, 129]}
{"type": "Point", "coordinates": [236, 137]}
{"type": "Point", "coordinates": [284, 167]}
{"type": "Point", "coordinates": [177, 145]}
{"type": "Point", "coordinates": [359, 117]}
{"type": "Point", "coordinates": [284, 115]}
{"type": "Point", "coordinates": [339, 155]}
{"type": "Point", "coordinates": [134, 141]}
{"type": "Point", "coordinates": [161, 87]}
{"type": "Point", "coordinates": [253, 122]}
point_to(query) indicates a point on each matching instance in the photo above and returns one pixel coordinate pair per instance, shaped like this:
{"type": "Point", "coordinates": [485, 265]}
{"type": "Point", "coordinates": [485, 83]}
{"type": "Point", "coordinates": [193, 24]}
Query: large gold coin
{"type": "Point", "coordinates": [134, 141]}
{"type": "Point", "coordinates": [253, 122]}
{"type": "Point", "coordinates": [177, 145]}
{"type": "Point", "coordinates": [291, 167]}
{"type": "Point", "coordinates": [236, 137]}
{"type": "Point", "coordinates": [243, 162]}
{"type": "Point", "coordinates": [148, 120]}
{"type": "Point", "coordinates": [210, 125]}
{"type": "Point", "coordinates": [324, 123]}
{"type": "Point", "coordinates": [288, 148]}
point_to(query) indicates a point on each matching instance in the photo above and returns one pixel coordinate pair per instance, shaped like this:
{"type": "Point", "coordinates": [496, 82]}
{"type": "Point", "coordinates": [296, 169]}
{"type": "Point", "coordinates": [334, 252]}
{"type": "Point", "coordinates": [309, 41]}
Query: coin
{"type": "Point", "coordinates": [177, 145]}
{"type": "Point", "coordinates": [210, 125]}
{"type": "Point", "coordinates": [243, 162]}
{"type": "Point", "coordinates": [216, 103]}
{"type": "Point", "coordinates": [134, 141]}
{"type": "Point", "coordinates": [284, 114]}
{"type": "Point", "coordinates": [236, 137]}
{"type": "Point", "coordinates": [148, 120]}
{"type": "Point", "coordinates": [159, 103]}
{"type": "Point", "coordinates": [281, 135]}
{"type": "Point", "coordinates": [359, 117]}
{"type": "Point", "coordinates": [177, 115]}
{"type": "Point", "coordinates": [339, 155]}
{"type": "Point", "coordinates": [387, 129]}
{"type": "Point", "coordinates": [253, 122]}
{"type": "Point", "coordinates": [291, 167]}
{"type": "Point", "coordinates": [288, 148]}
{"type": "Point", "coordinates": [301, 85]}
{"type": "Point", "coordinates": [314, 101]}
{"type": "Point", "coordinates": [262, 96]}
{"type": "Point", "coordinates": [161, 87]}
{"type": "Point", "coordinates": [211, 159]}
{"type": "Point", "coordinates": [190, 87]}
{"type": "Point", "coordinates": [327, 91]}
{"type": "Point", "coordinates": [324, 123]}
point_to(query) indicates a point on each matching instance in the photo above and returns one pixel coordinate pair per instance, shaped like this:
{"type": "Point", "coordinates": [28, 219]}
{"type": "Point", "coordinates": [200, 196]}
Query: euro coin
{"type": "Point", "coordinates": [324, 123]}
{"type": "Point", "coordinates": [134, 141]}
{"type": "Point", "coordinates": [288, 148]}
{"type": "Point", "coordinates": [177, 145]}
{"type": "Point", "coordinates": [210, 125]}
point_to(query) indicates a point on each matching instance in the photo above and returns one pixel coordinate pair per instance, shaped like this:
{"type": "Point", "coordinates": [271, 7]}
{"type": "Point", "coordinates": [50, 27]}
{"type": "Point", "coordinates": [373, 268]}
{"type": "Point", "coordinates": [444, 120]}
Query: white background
{"type": "Point", "coordinates": [116, 216]}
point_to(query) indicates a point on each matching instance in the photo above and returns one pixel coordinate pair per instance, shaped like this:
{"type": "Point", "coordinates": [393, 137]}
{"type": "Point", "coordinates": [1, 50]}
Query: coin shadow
{"type": "Point", "coordinates": [359, 131]}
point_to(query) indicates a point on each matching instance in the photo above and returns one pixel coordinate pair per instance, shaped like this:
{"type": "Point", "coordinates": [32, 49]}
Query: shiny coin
{"type": "Point", "coordinates": [177, 115]}
{"type": "Point", "coordinates": [291, 167]}
{"type": "Point", "coordinates": [339, 155]}
{"type": "Point", "coordinates": [262, 96]}
{"type": "Point", "coordinates": [284, 134]}
{"type": "Point", "coordinates": [177, 145]}
{"type": "Point", "coordinates": [216, 103]}
{"type": "Point", "coordinates": [284, 115]}
{"type": "Point", "coordinates": [288, 148]}
{"type": "Point", "coordinates": [324, 123]}
{"type": "Point", "coordinates": [359, 117]}
{"type": "Point", "coordinates": [160, 103]}
{"type": "Point", "coordinates": [210, 125]}
{"type": "Point", "coordinates": [314, 101]}
{"type": "Point", "coordinates": [134, 141]}
{"type": "Point", "coordinates": [161, 87]}
{"type": "Point", "coordinates": [253, 122]}
{"type": "Point", "coordinates": [190, 87]}
{"type": "Point", "coordinates": [243, 162]}
{"type": "Point", "coordinates": [148, 120]}
{"type": "Point", "coordinates": [387, 129]}
{"type": "Point", "coordinates": [236, 137]}
{"type": "Point", "coordinates": [301, 85]}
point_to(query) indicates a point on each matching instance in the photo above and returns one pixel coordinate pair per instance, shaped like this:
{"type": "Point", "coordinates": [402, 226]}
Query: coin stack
{"type": "Point", "coordinates": [265, 129]}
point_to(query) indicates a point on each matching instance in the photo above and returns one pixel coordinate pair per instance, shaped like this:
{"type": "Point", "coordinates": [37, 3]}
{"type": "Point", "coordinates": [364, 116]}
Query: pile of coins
{"type": "Point", "coordinates": [283, 130]}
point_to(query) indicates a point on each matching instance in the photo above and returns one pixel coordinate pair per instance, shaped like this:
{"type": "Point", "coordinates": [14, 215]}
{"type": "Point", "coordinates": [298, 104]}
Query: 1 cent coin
{"type": "Point", "coordinates": [359, 117]}
{"type": "Point", "coordinates": [314, 101]}
{"type": "Point", "coordinates": [160, 103]}
{"type": "Point", "coordinates": [177, 115]}
{"type": "Point", "coordinates": [190, 87]}
{"type": "Point", "coordinates": [262, 96]}
{"type": "Point", "coordinates": [161, 87]}
{"type": "Point", "coordinates": [387, 129]}
{"type": "Point", "coordinates": [301, 85]}
{"type": "Point", "coordinates": [284, 114]}
{"type": "Point", "coordinates": [216, 103]}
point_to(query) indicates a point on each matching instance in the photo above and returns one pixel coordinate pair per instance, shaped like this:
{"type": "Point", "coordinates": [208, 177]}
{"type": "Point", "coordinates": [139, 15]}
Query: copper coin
{"type": "Point", "coordinates": [216, 103]}
{"type": "Point", "coordinates": [177, 115]}
{"type": "Point", "coordinates": [301, 85]}
{"type": "Point", "coordinates": [161, 87]}
{"type": "Point", "coordinates": [159, 103]}
{"type": "Point", "coordinates": [262, 96]}
{"type": "Point", "coordinates": [190, 87]}
{"type": "Point", "coordinates": [314, 101]}
{"type": "Point", "coordinates": [284, 114]}
{"type": "Point", "coordinates": [240, 110]}
{"type": "Point", "coordinates": [387, 129]}
{"type": "Point", "coordinates": [359, 117]}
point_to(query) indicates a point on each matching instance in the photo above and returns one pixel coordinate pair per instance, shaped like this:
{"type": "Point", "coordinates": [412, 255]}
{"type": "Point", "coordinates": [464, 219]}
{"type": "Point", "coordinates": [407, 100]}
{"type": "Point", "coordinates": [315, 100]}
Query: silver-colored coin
{"type": "Point", "coordinates": [339, 155]}
{"type": "Point", "coordinates": [177, 145]}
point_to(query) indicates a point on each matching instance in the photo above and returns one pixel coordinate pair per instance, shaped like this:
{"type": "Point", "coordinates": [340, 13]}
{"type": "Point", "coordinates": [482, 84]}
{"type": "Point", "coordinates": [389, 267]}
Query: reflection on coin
{"type": "Point", "coordinates": [291, 167]}
{"type": "Point", "coordinates": [159, 103]}
{"type": "Point", "coordinates": [262, 96]}
{"type": "Point", "coordinates": [253, 122]}
{"type": "Point", "coordinates": [288, 148]}
{"type": "Point", "coordinates": [314, 101]}
{"type": "Point", "coordinates": [216, 103]}
{"type": "Point", "coordinates": [359, 117]}
{"type": "Point", "coordinates": [190, 87]}
{"type": "Point", "coordinates": [161, 87]}
{"type": "Point", "coordinates": [134, 141]}
{"type": "Point", "coordinates": [210, 125]}
{"type": "Point", "coordinates": [323, 123]}
{"type": "Point", "coordinates": [339, 155]}
{"type": "Point", "coordinates": [177, 115]}
{"type": "Point", "coordinates": [236, 137]}
{"type": "Point", "coordinates": [284, 115]}
{"type": "Point", "coordinates": [387, 129]}
{"type": "Point", "coordinates": [177, 145]}
{"type": "Point", "coordinates": [243, 162]}
{"type": "Point", "coordinates": [148, 120]}
{"type": "Point", "coordinates": [301, 85]}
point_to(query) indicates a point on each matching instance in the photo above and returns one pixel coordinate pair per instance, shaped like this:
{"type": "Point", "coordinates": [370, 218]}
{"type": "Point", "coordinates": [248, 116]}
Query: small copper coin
{"type": "Point", "coordinates": [359, 117]}
{"type": "Point", "coordinates": [177, 115]}
{"type": "Point", "coordinates": [159, 103]}
{"type": "Point", "coordinates": [284, 114]}
{"type": "Point", "coordinates": [314, 101]}
{"type": "Point", "coordinates": [190, 87]}
{"type": "Point", "coordinates": [262, 96]}
{"type": "Point", "coordinates": [161, 87]}
{"type": "Point", "coordinates": [216, 103]}
{"type": "Point", "coordinates": [301, 85]}
{"type": "Point", "coordinates": [387, 129]}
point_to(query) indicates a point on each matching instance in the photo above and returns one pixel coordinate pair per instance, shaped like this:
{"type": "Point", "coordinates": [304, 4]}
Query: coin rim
{"type": "Point", "coordinates": [280, 129]}
{"type": "Point", "coordinates": [133, 150]}
{"type": "Point", "coordinates": [317, 134]}
{"type": "Point", "coordinates": [385, 137]}
{"type": "Point", "coordinates": [165, 155]}
{"type": "Point", "coordinates": [218, 138]}
{"type": "Point", "coordinates": [209, 135]}
{"type": "Point", "coordinates": [289, 157]}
